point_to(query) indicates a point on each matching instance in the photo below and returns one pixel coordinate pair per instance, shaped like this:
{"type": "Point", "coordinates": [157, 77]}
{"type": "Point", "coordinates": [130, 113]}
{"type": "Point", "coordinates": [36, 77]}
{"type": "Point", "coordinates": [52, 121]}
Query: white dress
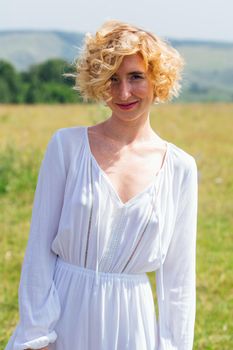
{"type": "Point", "coordinates": [83, 283]}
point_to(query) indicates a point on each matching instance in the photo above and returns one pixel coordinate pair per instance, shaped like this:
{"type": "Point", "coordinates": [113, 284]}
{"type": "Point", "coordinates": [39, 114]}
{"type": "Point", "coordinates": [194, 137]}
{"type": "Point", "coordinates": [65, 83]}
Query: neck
{"type": "Point", "coordinates": [128, 131]}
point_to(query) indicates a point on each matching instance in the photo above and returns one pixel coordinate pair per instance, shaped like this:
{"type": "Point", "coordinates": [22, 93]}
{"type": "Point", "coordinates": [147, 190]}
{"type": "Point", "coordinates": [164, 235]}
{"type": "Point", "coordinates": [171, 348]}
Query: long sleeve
{"type": "Point", "coordinates": [176, 288]}
{"type": "Point", "coordinates": [39, 305]}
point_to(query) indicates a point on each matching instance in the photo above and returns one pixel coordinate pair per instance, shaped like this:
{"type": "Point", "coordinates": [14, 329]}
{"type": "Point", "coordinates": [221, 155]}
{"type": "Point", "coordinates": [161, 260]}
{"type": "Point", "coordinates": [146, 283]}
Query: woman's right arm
{"type": "Point", "coordinates": [46, 348]}
{"type": "Point", "coordinates": [39, 305]}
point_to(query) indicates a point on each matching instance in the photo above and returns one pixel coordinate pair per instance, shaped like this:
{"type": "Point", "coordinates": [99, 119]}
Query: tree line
{"type": "Point", "coordinates": [42, 83]}
{"type": "Point", "coordinates": [45, 83]}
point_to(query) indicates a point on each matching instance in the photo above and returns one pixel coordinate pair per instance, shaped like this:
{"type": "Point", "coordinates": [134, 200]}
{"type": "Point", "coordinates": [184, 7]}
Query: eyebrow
{"type": "Point", "coordinates": [136, 72]}
{"type": "Point", "coordinates": [132, 73]}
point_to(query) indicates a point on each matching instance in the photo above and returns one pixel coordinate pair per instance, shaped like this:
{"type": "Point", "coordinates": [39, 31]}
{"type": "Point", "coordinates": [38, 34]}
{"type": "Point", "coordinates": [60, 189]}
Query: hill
{"type": "Point", "coordinates": [24, 48]}
{"type": "Point", "coordinates": [208, 75]}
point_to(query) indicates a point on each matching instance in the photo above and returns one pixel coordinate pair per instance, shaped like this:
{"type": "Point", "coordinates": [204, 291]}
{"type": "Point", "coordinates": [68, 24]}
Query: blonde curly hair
{"type": "Point", "coordinates": [103, 53]}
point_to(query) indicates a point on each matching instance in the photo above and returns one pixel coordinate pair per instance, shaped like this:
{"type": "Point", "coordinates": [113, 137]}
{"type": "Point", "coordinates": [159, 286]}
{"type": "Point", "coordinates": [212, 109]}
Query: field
{"type": "Point", "coordinates": [204, 130]}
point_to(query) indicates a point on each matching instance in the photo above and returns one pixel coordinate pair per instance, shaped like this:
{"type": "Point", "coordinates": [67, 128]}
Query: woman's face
{"type": "Point", "coordinates": [131, 89]}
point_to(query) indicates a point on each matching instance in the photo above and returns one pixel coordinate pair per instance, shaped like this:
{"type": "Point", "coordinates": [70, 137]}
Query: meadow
{"type": "Point", "coordinates": [203, 130]}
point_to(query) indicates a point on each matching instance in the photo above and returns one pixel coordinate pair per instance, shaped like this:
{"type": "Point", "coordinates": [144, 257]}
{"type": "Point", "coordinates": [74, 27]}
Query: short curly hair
{"type": "Point", "coordinates": [103, 53]}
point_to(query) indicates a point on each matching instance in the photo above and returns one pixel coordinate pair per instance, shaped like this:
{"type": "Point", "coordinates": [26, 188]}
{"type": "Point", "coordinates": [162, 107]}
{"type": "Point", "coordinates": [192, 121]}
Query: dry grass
{"type": "Point", "coordinates": [204, 130]}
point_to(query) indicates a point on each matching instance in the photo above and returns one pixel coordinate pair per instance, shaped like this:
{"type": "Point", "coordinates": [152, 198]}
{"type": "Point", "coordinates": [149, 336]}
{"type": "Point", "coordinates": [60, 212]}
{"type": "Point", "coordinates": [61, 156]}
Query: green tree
{"type": "Point", "coordinates": [10, 83]}
{"type": "Point", "coordinates": [58, 93]}
{"type": "Point", "coordinates": [46, 83]}
{"type": "Point", "coordinates": [52, 71]}
{"type": "Point", "coordinates": [42, 83]}
{"type": "Point", "coordinates": [5, 94]}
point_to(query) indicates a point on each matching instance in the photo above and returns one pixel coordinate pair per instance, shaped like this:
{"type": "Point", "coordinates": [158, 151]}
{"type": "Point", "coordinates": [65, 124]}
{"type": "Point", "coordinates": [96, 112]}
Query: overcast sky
{"type": "Point", "coordinates": [194, 19]}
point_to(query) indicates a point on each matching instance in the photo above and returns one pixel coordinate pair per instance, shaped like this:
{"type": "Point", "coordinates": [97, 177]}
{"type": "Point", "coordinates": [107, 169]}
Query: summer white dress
{"type": "Point", "coordinates": [83, 283]}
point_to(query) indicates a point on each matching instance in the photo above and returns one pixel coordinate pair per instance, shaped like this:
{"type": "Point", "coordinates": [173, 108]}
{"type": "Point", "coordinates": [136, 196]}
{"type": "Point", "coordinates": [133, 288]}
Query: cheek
{"type": "Point", "coordinates": [144, 93]}
{"type": "Point", "coordinates": [143, 90]}
{"type": "Point", "coordinates": [114, 92]}
{"type": "Point", "coordinates": [109, 104]}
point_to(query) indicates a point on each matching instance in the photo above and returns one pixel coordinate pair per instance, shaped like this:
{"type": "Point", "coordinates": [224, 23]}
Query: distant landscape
{"type": "Point", "coordinates": [208, 75]}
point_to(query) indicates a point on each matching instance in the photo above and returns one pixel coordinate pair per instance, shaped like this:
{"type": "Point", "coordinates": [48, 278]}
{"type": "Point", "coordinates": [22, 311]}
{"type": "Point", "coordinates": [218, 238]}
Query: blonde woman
{"type": "Point", "coordinates": [113, 202]}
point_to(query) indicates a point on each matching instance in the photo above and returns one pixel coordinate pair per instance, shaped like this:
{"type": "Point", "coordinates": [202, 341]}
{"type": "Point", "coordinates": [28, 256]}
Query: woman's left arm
{"type": "Point", "coordinates": [177, 305]}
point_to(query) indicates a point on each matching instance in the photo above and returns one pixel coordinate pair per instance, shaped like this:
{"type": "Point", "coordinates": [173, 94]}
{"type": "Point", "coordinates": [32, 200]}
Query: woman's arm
{"type": "Point", "coordinates": [39, 305]}
{"type": "Point", "coordinates": [46, 348]}
{"type": "Point", "coordinates": [177, 310]}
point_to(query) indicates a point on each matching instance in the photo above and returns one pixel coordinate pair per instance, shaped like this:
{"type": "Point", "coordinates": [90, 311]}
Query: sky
{"type": "Point", "coordinates": [181, 19]}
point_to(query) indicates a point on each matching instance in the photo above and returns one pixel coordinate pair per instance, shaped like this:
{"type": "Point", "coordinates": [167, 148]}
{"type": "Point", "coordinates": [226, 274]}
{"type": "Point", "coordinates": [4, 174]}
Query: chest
{"type": "Point", "coordinates": [129, 169]}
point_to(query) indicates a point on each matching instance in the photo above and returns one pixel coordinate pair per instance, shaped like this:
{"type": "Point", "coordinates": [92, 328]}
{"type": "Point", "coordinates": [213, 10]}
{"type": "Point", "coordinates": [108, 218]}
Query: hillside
{"type": "Point", "coordinates": [24, 48]}
{"type": "Point", "coordinates": [208, 75]}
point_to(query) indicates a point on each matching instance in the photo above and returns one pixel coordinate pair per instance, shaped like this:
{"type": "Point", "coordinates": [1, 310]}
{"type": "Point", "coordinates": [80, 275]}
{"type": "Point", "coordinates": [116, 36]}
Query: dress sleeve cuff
{"type": "Point", "coordinates": [41, 342]}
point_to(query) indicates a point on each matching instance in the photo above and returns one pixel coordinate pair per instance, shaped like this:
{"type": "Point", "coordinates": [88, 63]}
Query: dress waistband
{"type": "Point", "coordinates": [142, 277]}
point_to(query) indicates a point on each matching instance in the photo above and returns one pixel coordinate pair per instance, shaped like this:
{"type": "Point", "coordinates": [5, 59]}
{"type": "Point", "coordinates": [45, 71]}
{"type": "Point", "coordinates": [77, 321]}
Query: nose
{"type": "Point", "coordinates": [124, 91]}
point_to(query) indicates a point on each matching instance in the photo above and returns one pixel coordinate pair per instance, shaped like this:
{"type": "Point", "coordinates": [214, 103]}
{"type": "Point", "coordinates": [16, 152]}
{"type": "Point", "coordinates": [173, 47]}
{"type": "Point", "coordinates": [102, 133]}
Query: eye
{"type": "Point", "coordinates": [137, 76]}
{"type": "Point", "coordinates": [113, 79]}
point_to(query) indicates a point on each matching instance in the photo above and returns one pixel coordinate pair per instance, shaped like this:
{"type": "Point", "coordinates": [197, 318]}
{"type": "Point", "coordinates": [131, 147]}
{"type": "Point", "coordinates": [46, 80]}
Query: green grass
{"type": "Point", "coordinates": [205, 131]}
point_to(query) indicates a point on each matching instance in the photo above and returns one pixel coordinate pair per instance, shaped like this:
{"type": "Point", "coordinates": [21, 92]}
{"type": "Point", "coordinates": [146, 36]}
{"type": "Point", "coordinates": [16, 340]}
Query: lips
{"type": "Point", "coordinates": [127, 106]}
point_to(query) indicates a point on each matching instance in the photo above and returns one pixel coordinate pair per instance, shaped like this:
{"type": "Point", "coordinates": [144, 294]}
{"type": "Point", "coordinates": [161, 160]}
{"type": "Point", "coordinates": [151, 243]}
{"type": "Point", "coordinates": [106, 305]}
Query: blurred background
{"type": "Point", "coordinates": [39, 41]}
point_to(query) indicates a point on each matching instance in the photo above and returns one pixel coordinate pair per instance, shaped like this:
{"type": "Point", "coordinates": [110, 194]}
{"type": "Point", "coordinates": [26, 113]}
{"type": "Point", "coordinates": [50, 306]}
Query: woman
{"type": "Point", "coordinates": [113, 201]}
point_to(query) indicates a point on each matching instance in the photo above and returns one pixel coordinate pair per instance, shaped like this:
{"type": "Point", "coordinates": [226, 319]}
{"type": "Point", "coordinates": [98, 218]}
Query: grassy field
{"type": "Point", "coordinates": [203, 130]}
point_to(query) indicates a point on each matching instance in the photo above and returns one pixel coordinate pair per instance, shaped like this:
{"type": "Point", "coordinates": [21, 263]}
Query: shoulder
{"type": "Point", "coordinates": [184, 172]}
{"type": "Point", "coordinates": [69, 142]}
{"type": "Point", "coordinates": [184, 163]}
{"type": "Point", "coordinates": [69, 138]}
{"type": "Point", "coordinates": [71, 134]}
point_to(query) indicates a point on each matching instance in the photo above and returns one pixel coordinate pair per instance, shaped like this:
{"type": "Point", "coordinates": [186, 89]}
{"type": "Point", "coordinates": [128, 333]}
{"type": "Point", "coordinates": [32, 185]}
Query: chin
{"type": "Point", "coordinates": [129, 116]}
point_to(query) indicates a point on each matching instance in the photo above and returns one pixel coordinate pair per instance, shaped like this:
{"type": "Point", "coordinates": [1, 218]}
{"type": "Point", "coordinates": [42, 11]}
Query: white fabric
{"type": "Point", "coordinates": [84, 273]}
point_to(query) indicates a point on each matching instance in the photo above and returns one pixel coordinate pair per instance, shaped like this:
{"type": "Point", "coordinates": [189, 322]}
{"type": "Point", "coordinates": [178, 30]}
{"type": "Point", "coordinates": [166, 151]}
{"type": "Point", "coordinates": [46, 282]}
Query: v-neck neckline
{"type": "Point", "coordinates": [150, 186]}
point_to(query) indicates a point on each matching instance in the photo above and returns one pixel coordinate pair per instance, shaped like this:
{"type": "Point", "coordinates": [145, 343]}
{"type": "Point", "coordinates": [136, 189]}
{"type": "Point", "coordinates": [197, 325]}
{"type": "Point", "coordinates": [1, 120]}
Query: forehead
{"type": "Point", "coordinates": [132, 63]}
